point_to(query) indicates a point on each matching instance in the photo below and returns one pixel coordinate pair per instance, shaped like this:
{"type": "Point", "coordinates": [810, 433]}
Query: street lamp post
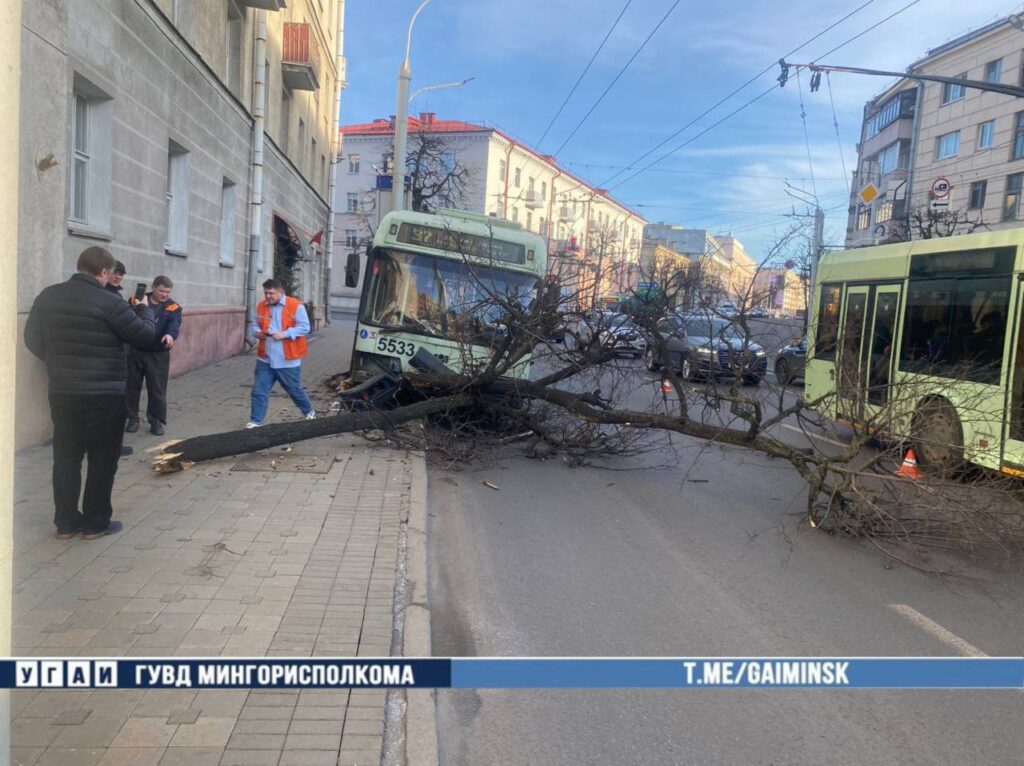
{"type": "Point", "coordinates": [402, 119]}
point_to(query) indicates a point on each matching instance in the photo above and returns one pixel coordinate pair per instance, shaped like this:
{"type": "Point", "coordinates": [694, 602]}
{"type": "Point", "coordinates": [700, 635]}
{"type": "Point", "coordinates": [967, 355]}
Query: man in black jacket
{"type": "Point", "coordinates": [79, 330]}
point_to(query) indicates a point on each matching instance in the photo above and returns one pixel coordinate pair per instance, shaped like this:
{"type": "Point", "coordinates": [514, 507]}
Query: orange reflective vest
{"type": "Point", "coordinates": [294, 348]}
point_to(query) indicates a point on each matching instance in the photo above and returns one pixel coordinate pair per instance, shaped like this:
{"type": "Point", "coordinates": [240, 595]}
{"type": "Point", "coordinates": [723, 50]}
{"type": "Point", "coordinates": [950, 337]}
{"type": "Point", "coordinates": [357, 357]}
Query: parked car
{"type": "Point", "coordinates": [705, 346]}
{"type": "Point", "coordinates": [789, 364]}
{"type": "Point", "coordinates": [580, 329]}
{"type": "Point", "coordinates": [622, 336]}
{"type": "Point", "coordinates": [726, 310]}
{"type": "Point", "coordinates": [758, 312]}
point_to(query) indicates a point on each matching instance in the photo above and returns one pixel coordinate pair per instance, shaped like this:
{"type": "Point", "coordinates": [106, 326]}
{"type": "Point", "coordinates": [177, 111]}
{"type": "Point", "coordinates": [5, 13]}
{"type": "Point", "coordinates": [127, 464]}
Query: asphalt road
{"type": "Point", "coordinates": [705, 557]}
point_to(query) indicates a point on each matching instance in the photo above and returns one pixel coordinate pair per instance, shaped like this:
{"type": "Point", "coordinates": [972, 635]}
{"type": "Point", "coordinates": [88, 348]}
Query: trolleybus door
{"type": "Point", "coordinates": [878, 348]}
{"type": "Point", "coordinates": [1013, 440]}
{"type": "Point", "coordinates": [850, 386]}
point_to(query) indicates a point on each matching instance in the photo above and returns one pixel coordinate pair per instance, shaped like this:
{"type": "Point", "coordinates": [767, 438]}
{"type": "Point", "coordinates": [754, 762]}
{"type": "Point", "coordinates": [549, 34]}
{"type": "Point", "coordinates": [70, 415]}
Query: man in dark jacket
{"type": "Point", "coordinates": [152, 362]}
{"type": "Point", "coordinates": [116, 278]}
{"type": "Point", "coordinates": [79, 330]}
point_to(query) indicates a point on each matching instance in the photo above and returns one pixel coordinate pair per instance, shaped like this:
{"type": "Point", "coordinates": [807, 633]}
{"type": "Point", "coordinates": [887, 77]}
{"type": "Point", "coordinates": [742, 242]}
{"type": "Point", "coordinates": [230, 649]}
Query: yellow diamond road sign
{"type": "Point", "coordinates": [869, 192]}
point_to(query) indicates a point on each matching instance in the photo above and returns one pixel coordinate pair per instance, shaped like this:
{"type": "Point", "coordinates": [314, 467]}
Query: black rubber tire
{"type": "Point", "coordinates": [783, 373]}
{"type": "Point", "coordinates": [650, 362]}
{"type": "Point", "coordinates": [686, 369]}
{"type": "Point", "coordinates": [937, 438]}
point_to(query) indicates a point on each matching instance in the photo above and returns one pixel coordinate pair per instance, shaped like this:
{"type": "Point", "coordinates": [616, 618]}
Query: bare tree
{"type": "Point", "coordinates": [928, 223]}
{"type": "Point", "coordinates": [439, 179]}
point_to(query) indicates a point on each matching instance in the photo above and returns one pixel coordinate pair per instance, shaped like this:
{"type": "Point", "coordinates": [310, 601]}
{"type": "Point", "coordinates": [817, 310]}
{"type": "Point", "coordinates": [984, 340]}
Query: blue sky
{"type": "Point", "coordinates": [526, 55]}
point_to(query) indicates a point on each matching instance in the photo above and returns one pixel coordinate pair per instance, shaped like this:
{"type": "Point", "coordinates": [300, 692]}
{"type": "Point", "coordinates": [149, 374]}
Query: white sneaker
{"type": "Point", "coordinates": [252, 424]}
{"type": "Point", "coordinates": [311, 415]}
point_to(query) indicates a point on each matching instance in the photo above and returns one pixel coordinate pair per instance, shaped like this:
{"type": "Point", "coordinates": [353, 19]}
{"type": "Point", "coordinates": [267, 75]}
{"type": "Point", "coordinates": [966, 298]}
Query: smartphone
{"type": "Point", "coordinates": [140, 291]}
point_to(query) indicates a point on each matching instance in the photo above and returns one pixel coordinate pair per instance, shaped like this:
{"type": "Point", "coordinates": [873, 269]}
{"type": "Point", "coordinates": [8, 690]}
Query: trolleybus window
{"type": "Point", "coordinates": [440, 296]}
{"type": "Point", "coordinates": [956, 328]}
{"type": "Point", "coordinates": [828, 323]}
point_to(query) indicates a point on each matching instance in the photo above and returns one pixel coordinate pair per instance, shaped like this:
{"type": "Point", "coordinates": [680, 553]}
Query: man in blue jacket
{"type": "Point", "coordinates": [153, 364]}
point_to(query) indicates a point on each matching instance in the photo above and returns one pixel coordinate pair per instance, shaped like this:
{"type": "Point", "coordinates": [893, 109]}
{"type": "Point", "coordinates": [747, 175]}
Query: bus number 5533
{"type": "Point", "coordinates": [393, 346]}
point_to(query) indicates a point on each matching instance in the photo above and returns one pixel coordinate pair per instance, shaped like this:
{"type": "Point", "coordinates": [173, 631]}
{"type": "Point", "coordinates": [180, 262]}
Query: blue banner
{"type": "Point", "coordinates": [515, 673]}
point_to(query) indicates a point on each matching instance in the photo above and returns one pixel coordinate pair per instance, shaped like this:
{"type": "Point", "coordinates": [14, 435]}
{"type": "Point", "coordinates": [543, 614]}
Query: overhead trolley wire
{"type": "Point", "coordinates": [584, 72]}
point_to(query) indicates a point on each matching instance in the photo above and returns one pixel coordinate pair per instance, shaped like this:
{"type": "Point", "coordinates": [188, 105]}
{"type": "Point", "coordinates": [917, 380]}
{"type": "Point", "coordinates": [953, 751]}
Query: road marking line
{"type": "Point", "coordinates": [936, 630]}
{"type": "Point", "coordinates": [815, 436]}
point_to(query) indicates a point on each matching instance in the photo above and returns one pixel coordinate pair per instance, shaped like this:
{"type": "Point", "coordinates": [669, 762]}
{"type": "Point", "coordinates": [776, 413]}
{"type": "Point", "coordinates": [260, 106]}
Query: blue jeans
{"type": "Point", "coordinates": [288, 377]}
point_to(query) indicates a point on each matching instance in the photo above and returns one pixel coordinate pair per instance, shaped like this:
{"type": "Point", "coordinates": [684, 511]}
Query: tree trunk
{"type": "Point", "coordinates": [180, 455]}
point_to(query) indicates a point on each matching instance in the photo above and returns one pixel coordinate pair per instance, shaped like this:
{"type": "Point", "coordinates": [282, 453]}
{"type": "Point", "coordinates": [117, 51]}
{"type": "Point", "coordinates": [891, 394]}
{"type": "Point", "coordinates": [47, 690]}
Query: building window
{"type": "Point", "coordinates": [986, 134]}
{"type": "Point", "coordinates": [448, 162]}
{"type": "Point", "coordinates": [515, 215]}
{"type": "Point", "coordinates": [302, 144]}
{"type": "Point", "coordinates": [543, 190]}
{"type": "Point", "coordinates": [1011, 204]}
{"type": "Point", "coordinates": [947, 146]}
{"type": "Point", "coordinates": [178, 159]}
{"type": "Point", "coordinates": [953, 92]}
{"type": "Point", "coordinates": [312, 160]}
{"type": "Point", "coordinates": [502, 170]}
{"type": "Point", "coordinates": [90, 167]}
{"type": "Point", "coordinates": [883, 211]}
{"type": "Point", "coordinates": [353, 163]}
{"type": "Point", "coordinates": [863, 218]}
{"type": "Point", "coordinates": [286, 118]}
{"type": "Point", "coordinates": [80, 165]}
{"type": "Point", "coordinates": [543, 227]}
{"type": "Point", "coordinates": [1018, 137]}
{"type": "Point", "coordinates": [994, 71]}
{"type": "Point", "coordinates": [351, 238]}
{"type": "Point", "coordinates": [529, 219]}
{"type": "Point", "coordinates": [227, 222]}
{"type": "Point", "coordinates": [352, 202]}
{"type": "Point", "coordinates": [233, 48]}
{"type": "Point", "coordinates": [517, 178]}
{"type": "Point", "coordinates": [530, 183]}
{"type": "Point", "coordinates": [978, 189]}
{"type": "Point", "coordinates": [889, 159]}
{"type": "Point", "coordinates": [323, 169]}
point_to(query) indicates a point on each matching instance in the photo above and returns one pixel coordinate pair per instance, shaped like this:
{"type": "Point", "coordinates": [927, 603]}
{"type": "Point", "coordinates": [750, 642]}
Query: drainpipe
{"type": "Point", "coordinates": [508, 172]}
{"type": "Point", "coordinates": [551, 206]}
{"type": "Point", "coordinates": [256, 195]}
{"type": "Point", "coordinates": [339, 65]}
{"type": "Point", "coordinates": [913, 153]}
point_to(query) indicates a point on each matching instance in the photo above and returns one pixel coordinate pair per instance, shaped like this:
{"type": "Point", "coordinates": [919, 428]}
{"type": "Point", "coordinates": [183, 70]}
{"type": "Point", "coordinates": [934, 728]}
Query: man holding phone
{"type": "Point", "coordinates": [152, 363]}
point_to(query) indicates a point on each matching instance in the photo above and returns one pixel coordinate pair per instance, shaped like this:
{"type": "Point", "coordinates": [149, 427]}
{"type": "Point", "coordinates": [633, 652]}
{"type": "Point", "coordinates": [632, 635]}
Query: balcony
{"type": "Point", "coordinates": [300, 58]}
{"type": "Point", "coordinates": [566, 214]}
{"type": "Point", "coordinates": [534, 200]}
{"type": "Point", "coordinates": [266, 5]}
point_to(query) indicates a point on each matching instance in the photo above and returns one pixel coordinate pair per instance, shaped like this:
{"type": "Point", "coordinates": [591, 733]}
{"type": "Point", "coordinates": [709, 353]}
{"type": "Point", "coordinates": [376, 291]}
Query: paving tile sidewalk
{"type": "Point", "coordinates": [215, 562]}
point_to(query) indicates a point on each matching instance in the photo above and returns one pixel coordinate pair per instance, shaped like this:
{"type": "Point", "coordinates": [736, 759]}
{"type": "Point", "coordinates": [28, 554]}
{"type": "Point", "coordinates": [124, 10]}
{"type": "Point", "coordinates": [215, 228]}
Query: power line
{"type": "Point", "coordinates": [753, 79]}
{"type": "Point", "coordinates": [807, 137]}
{"type": "Point", "coordinates": [835, 122]}
{"type": "Point", "coordinates": [617, 76]}
{"type": "Point", "coordinates": [584, 72]}
{"type": "Point", "coordinates": [590, 165]}
{"type": "Point", "coordinates": [761, 95]}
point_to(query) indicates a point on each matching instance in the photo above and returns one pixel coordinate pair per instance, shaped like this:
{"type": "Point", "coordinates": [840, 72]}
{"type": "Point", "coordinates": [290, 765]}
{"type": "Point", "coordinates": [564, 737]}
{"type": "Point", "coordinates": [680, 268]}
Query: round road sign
{"type": "Point", "coordinates": [940, 188]}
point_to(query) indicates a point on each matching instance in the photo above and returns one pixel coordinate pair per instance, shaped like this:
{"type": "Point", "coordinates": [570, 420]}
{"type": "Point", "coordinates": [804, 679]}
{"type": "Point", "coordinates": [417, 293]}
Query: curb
{"type": "Point", "coordinates": [420, 719]}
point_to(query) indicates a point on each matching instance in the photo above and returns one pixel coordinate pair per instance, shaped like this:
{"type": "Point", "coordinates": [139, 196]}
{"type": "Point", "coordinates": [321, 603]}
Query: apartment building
{"type": "Point", "coordinates": [724, 263]}
{"type": "Point", "coordinates": [939, 153]}
{"type": "Point", "coordinates": [780, 291]}
{"type": "Point", "coordinates": [140, 131]}
{"type": "Point", "coordinates": [593, 239]}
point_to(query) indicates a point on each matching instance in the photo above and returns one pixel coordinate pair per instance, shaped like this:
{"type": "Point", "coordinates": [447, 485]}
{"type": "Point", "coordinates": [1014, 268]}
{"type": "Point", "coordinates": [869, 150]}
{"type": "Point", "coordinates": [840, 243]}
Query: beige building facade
{"type": "Point", "coordinates": [140, 125]}
{"type": "Point", "coordinates": [941, 155]}
{"type": "Point", "coordinates": [592, 238]}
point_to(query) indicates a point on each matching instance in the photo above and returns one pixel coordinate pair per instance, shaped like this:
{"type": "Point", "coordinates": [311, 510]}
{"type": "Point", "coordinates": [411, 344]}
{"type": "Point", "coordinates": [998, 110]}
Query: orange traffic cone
{"type": "Point", "coordinates": [909, 468]}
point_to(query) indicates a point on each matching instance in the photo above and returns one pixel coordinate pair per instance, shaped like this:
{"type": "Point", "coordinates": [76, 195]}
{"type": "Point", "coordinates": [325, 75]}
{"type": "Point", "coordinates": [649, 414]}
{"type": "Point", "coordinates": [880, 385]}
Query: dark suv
{"type": "Point", "coordinates": [702, 346]}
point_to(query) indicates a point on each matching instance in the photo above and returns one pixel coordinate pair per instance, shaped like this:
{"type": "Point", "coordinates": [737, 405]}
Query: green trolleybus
{"type": "Point", "coordinates": [923, 341]}
{"type": "Point", "coordinates": [436, 281]}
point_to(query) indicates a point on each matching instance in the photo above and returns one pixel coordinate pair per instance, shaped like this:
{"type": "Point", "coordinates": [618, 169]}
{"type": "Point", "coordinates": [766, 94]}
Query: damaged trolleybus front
{"type": "Point", "coordinates": [441, 282]}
